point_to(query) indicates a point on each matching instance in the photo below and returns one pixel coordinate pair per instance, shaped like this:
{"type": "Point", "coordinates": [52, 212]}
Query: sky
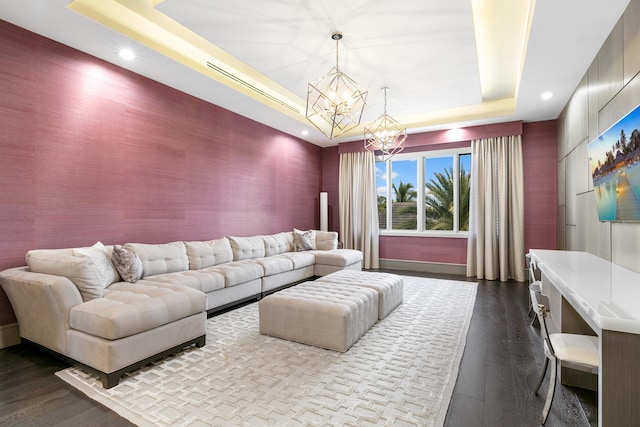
{"type": "Point", "coordinates": [406, 171]}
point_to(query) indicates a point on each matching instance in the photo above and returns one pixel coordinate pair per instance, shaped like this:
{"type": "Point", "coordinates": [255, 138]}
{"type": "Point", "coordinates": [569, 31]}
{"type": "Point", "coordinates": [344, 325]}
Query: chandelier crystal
{"type": "Point", "coordinates": [335, 102]}
{"type": "Point", "coordinates": [385, 136]}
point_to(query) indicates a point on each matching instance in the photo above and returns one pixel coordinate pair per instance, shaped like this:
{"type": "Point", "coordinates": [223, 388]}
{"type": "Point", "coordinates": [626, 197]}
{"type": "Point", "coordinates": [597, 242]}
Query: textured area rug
{"type": "Point", "coordinates": [401, 372]}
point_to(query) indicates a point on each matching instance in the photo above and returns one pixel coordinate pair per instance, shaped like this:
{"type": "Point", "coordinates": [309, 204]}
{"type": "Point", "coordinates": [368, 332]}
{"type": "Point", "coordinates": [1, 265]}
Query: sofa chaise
{"type": "Point", "coordinates": [111, 316]}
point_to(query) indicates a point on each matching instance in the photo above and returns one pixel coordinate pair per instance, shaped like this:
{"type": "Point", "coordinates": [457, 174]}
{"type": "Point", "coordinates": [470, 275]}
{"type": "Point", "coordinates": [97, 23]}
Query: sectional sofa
{"type": "Point", "coordinates": [111, 309]}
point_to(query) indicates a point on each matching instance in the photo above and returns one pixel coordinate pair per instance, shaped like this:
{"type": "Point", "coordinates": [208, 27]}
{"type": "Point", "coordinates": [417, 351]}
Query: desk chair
{"type": "Point", "coordinates": [571, 350]}
{"type": "Point", "coordinates": [535, 286]}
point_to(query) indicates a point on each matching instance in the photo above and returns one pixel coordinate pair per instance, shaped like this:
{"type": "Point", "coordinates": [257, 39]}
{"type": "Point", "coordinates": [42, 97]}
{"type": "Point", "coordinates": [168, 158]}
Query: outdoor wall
{"type": "Point", "coordinates": [608, 91]}
{"type": "Point", "coordinates": [540, 185]}
{"type": "Point", "coordinates": [91, 152]}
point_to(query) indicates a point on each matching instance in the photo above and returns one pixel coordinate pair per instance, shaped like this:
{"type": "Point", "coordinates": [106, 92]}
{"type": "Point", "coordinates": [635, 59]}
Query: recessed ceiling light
{"type": "Point", "coordinates": [305, 132]}
{"type": "Point", "coordinates": [127, 54]}
{"type": "Point", "coordinates": [546, 95]}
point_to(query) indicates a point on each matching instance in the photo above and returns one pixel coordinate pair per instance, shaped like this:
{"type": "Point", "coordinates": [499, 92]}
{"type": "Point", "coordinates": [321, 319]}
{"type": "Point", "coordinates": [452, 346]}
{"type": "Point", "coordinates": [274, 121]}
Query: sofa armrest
{"type": "Point", "coordinates": [41, 303]}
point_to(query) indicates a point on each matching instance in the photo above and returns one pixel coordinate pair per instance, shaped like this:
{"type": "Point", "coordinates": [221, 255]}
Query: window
{"type": "Point", "coordinates": [439, 205]}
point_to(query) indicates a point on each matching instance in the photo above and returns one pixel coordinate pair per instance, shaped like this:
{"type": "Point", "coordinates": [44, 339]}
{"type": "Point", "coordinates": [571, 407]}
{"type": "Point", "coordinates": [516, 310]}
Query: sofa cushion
{"type": "Point", "coordinates": [238, 272]}
{"type": "Point", "coordinates": [82, 271]}
{"type": "Point", "coordinates": [247, 247]}
{"type": "Point", "coordinates": [208, 253]}
{"type": "Point", "coordinates": [301, 259]}
{"type": "Point", "coordinates": [275, 264]}
{"type": "Point", "coordinates": [326, 240]}
{"type": "Point", "coordinates": [127, 309]}
{"type": "Point", "coordinates": [162, 258]}
{"type": "Point", "coordinates": [338, 257]}
{"type": "Point", "coordinates": [276, 244]}
{"type": "Point", "coordinates": [127, 263]}
{"type": "Point", "coordinates": [304, 240]}
{"type": "Point", "coordinates": [204, 280]}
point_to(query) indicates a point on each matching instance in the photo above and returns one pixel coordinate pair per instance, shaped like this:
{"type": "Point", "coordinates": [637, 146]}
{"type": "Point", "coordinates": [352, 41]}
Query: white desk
{"type": "Point", "coordinates": [605, 297]}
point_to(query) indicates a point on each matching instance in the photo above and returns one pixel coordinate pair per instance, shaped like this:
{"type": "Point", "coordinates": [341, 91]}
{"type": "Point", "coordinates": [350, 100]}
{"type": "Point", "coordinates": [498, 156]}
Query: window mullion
{"type": "Point", "coordinates": [389, 204]}
{"type": "Point", "coordinates": [420, 206]}
{"type": "Point", "coordinates": [456, 192]}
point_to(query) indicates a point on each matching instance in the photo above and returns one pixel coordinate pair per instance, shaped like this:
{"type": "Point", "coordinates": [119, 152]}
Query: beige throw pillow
{"type": "Point", "coordinates": [106, 272]}
{"type": "Point", "coordinates": [82, 270]}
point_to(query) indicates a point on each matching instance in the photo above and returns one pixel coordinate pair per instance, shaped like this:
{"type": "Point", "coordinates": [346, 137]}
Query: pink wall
{"type": "Point", "coordinates": [426, 249]}
{"type": "Point", "coordinates": [330, 181]}
{"type": "Point", "coordinates": [540, 183]}
{"type": "Point", "coordinates": [91, 151]}
{"type": "Point", "coordinates": [539, 145]}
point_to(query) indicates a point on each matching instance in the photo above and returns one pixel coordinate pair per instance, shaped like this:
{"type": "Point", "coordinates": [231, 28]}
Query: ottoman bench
{"type": "Point", "coordinates": [389, 286]}
{"type": "Point", "coordinates": [327, 315]}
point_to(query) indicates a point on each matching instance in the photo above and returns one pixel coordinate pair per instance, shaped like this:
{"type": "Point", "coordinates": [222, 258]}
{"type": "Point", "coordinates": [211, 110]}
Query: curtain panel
{"type": "Point", "coordinates": [495, 246]}
{"type": "Point", "coordinates": [358, 205]}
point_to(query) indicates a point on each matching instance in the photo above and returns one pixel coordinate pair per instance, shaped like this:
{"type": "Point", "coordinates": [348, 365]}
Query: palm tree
{"type": "Point", "coordinates": [404, 192]}
{"type": "Point", "coordinates": [439, 201]}
{"type": "Point", "coordinates": [382, 203]}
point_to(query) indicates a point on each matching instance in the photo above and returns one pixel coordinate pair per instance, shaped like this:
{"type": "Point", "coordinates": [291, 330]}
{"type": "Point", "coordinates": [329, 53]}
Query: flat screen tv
{"type": "Point", "coordinates": [614, 163]}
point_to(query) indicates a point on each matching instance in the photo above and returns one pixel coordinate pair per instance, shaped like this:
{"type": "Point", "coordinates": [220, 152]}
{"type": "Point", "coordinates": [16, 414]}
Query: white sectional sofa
{"type": "Point", "coordinates": [74, 302]}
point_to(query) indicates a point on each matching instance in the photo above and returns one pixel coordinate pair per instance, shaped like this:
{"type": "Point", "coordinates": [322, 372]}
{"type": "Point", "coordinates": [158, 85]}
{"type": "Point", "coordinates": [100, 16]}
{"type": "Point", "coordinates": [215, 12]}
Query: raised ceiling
{"type": "Point", "coordinates": [447, 63]}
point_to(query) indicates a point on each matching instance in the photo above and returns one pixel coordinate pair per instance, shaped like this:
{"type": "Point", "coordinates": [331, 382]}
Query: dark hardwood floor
{"type": "Point", "coordinates": [501, 363]}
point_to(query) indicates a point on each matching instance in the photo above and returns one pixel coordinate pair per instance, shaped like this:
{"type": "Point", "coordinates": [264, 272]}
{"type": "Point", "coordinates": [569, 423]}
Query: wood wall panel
{"type": "Point", "coordinates": [610, 66]}
{"type": "Point", "coordinates": [631, 40]}
{"type": "Point", "coordinates": [614, 90]}
{"type": "Point", "coordinates": [577, 129]}
{"type": "Point", "coordinates": [94, 152]}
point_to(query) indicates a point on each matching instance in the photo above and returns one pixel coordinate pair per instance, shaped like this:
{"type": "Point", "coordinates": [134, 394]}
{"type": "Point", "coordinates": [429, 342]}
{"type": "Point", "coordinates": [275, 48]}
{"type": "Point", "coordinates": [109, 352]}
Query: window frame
{"type": "Point", "coordinates": [421, 156]}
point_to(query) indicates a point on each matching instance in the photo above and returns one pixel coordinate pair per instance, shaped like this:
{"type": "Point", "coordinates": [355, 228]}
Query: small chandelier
{"type": "Point", "coordinates": [385, 136]}
{"type": "Point", "coordinates": [335, 102]}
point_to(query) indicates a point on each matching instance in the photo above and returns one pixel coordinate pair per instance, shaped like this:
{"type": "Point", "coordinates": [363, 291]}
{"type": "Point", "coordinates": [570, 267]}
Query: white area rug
{"type": "Point", "coordinates": [401, 372]}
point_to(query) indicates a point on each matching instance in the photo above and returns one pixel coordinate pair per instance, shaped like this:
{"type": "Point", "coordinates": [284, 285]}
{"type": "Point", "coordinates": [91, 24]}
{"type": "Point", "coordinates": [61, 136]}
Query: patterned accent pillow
{"type": "Point", "coordinates": [127, 263]}
{"type": "Point", "coordinates": [304, 240]}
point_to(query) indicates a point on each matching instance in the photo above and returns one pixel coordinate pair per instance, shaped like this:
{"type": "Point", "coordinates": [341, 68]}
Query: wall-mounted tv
{"type": "Point", "coordinates": [614, 163]}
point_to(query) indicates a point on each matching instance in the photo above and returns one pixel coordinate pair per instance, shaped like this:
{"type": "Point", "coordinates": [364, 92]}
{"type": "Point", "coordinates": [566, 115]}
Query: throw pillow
{"type": "Point", "coordinates": [127, 263]}
{"type": "Point", "coordinates": [105, 271]}
{"type": "Point", "coordinates": [326, 240]}
{"type": "Point", "coordinates": [304, 240]}
{"type": "Point", "coordinates": [81, 270]}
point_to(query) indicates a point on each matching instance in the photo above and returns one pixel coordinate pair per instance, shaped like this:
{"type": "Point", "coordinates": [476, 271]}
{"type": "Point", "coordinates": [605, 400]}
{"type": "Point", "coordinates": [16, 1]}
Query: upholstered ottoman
{"type": "Point", "coordinates": [389, 286]}
{"type": "Point", "coordinates": [327, 315]}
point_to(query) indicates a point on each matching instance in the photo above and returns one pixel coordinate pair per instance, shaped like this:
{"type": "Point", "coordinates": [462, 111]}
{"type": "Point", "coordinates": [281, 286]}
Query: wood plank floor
{"type": "Point", "coordinates": [499, 369]}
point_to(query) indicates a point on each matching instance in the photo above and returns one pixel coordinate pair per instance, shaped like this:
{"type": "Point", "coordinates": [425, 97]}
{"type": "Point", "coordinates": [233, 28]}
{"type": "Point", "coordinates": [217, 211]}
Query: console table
{"type": "Point", "coordinates": [591, 295]}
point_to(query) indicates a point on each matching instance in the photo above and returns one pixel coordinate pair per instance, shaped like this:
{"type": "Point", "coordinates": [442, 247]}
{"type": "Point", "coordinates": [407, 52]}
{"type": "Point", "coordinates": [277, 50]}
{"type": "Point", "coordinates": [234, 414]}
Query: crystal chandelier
{"type": "Point", "coordinates": [335, 102]}
{"type": "Point", "coordinates": [385, 136]}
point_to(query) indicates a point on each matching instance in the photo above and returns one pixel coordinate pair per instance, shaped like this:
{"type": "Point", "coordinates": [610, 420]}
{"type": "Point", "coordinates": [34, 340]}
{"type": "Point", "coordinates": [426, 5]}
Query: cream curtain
{"type": "Point", "coordinates": [495, 247]}
{"type": "Point", "coordinates": [358, 205]}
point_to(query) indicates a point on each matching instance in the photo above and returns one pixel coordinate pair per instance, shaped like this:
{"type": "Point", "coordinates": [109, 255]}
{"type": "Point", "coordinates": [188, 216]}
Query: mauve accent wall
{"type": "Point", "coordinates": [539, 152]}
{"type": "Point", "coordinates": [539, 145]}
{"type": "Point", "coordinates": [91, 151]}
{"type": "Point", "coordinates": [330, 184]}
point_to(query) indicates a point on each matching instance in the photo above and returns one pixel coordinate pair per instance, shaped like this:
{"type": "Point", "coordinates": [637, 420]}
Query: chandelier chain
{"type": "Point", "coordinates": [385, 100]}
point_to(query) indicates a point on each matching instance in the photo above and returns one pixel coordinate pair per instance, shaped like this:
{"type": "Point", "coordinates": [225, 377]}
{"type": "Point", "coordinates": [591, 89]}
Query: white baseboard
{"type": "Point", "coordinates": [424, 267]}
{"type": "Point", "coordinates": [9, 335]}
